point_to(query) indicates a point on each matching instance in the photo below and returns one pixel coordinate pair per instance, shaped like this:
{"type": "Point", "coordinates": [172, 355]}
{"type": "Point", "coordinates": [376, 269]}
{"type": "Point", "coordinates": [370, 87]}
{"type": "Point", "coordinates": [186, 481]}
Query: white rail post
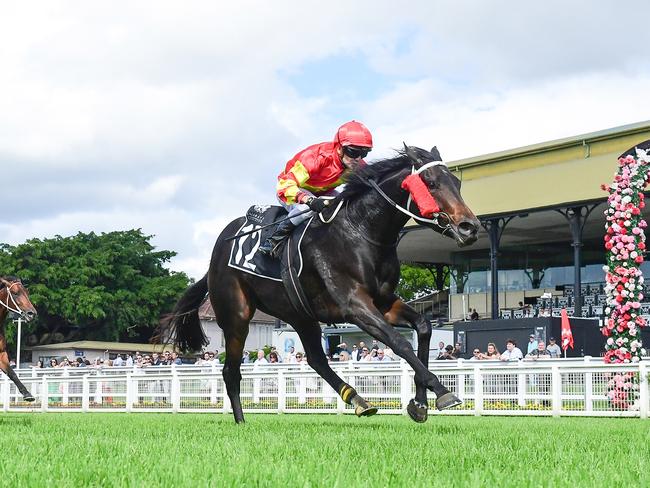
{"type": "Point", "coordinates": [644, 397]}
{"type": "Point", "coordinates": [282, 392]}
{"type": "Point", "coordinates": [5, 393]}
{"type": "Point", "coordinates": [556, 389]}
{"type": "Point", "coordinates": [226, 400]}
{"type": "Point", "coordinates": [131, 391]}
{"type": "Point", "coordinates": [478, 391]}
{"type": "Point", "coordinates": [302, 385]}
{"type": "Point", "coordinates": [99, 399]}
{"type": "Point", "coordinates": [405, 385]}
{"type": "Point", "coordinates": [65, 387]}
{"type": "Point", "coordinates": [45, 397]}
{"type": "Point", "coordinates": [213, 382]}
{"type": "Point", "coordinates": [85, 393]}
{"type": "Point", "coordinates": [460, 383]}
{"type": "Point", "coordinates": [340, 404]}
{"type": "Point", "coordinates": [256, 388]}
{"type": "Point", "coordinates": [175, 390]}
{"type": "Point", "coordinates": [589, 391]}
{"type": "Point", "coordinates": [521, 386]}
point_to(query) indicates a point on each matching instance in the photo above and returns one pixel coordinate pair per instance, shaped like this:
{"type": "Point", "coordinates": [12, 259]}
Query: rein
{"type": "Point", "coordinates": [363, 234]}
{"type": "Point", "coordinates": [13, 301]}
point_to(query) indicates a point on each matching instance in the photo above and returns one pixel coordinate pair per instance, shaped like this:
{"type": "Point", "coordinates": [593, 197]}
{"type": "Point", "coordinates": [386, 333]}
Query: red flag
{"type": "Point", "coordinates": [567, 335]}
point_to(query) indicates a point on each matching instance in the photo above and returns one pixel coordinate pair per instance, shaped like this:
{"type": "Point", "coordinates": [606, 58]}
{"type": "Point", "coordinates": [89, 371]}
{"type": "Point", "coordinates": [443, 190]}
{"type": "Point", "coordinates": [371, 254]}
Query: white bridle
{"type": "Point", "coordinates": [6, 305]}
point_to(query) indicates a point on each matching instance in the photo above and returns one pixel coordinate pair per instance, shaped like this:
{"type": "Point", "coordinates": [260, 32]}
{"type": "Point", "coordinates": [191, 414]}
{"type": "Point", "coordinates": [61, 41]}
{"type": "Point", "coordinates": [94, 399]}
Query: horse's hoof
{"type": "Point", "coordinates": [448, 400]}
{"type": "Point", "coordinates": [366, 411]}
{"type": "Point", "coordinates": [29, 398]}
{"type": "Point", "coordinates": [417, 411]}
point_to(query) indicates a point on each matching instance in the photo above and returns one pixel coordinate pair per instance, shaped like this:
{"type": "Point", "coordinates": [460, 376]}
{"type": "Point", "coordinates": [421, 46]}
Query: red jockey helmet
{"type": "Point", "coordinates": [353, 133]}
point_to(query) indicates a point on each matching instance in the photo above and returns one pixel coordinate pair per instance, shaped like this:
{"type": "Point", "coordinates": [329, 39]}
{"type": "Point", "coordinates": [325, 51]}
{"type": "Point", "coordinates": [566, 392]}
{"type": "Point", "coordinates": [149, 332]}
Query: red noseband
{"type": "Point", "coordinates": [427, 205]}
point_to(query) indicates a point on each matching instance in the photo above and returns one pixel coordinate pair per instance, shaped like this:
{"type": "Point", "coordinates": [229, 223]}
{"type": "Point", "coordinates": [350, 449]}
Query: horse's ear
{"type": "Point", "coordinates": [412, 154]}
{"type": "Point", "coordinates": [435, 154]}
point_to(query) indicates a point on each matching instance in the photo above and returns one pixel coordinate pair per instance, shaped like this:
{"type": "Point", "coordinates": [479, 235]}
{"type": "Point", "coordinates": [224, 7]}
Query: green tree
{"type": "Point", "coordinates": [88, 286]}
{"type": "Point", "coordinates": [418, 280]}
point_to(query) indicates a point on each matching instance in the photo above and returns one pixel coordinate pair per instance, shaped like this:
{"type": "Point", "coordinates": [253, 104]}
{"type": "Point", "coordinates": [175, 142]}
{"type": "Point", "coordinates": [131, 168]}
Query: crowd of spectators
{"type": "Point", "coordinates": [129, 360]}
{"type": "Point", "coordinates": [357, 353]}
{"type": "Point", "coordinates": [535, 349]}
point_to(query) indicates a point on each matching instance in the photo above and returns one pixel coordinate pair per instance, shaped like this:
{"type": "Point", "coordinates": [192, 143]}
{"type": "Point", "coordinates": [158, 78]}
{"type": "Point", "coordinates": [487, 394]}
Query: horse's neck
{"type": "Point", "coordinates": [381, 220]}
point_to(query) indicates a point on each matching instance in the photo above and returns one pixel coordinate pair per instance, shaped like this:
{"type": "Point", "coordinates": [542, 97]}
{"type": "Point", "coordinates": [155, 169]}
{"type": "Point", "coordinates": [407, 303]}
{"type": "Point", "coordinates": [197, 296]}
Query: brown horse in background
{"type": "Point", "coordinates": [13, 298]}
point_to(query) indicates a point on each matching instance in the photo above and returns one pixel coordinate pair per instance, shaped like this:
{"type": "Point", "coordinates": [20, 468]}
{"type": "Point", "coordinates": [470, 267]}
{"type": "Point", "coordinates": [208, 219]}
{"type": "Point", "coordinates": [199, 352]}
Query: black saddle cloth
{"type": "Point", "coordinates": [244, 254]}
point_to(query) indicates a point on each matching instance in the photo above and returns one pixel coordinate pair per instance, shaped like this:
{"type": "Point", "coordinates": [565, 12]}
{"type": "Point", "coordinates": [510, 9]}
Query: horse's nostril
{"type": "Point", "coordinates": [467, 229]}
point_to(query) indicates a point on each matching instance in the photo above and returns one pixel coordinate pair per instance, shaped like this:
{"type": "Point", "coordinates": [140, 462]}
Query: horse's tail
{"type": "Point", "coordinates": [183, 326]}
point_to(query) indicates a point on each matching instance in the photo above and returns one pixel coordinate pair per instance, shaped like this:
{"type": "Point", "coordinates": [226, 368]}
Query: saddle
{"type": "Point", "coordinates": [245, 257]}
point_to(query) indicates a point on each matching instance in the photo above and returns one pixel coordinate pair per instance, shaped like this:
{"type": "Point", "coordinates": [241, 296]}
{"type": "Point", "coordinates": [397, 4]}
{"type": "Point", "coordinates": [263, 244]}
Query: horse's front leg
{"type": "Point", "coordinates": [399, 313]}
{"type": "Point", "coordinates": [4, 366]}
{"type": "Point", "coordinates": [362, 312]}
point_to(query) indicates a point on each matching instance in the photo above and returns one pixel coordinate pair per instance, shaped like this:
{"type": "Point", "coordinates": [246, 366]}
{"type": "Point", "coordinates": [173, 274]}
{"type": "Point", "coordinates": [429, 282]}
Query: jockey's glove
{"type": "Point", "coordinates": [317, 204]}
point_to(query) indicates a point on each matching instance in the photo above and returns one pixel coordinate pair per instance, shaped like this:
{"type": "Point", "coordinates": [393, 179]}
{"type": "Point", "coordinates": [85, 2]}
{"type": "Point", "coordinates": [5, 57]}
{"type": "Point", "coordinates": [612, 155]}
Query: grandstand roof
{"type": "Point", "coordinates": [531, 182]}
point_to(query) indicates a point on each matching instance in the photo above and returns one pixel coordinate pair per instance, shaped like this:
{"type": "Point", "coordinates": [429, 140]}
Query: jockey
{"type": "Point", "coordinates": [316, 172]}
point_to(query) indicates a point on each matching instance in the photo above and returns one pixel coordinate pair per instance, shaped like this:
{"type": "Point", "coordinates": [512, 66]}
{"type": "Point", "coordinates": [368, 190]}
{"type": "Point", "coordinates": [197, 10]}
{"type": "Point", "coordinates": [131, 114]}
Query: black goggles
{"type": "Point", "coordinates": [355, 152]}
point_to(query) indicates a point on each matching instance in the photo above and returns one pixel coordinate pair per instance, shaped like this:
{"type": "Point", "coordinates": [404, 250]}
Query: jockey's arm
{"type": "Point", "coordinates": [289, 188]}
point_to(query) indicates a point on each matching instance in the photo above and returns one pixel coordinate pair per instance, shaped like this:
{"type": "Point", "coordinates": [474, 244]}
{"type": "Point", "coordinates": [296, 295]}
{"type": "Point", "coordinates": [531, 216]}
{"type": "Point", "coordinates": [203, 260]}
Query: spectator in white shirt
{"type": "Point", "coordinates": [291, 356]}
{"type": "Point", "coordinates": [260, 358]}
{"type": "Point", "coordinates": [512, 352]}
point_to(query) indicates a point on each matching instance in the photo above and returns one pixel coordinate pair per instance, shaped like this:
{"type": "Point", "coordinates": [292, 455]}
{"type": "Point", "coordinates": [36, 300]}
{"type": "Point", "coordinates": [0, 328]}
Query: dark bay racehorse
{"type": "Point", "coordinates": [349, 274]}
{"type": "Point", "coordinates": [13, 298]}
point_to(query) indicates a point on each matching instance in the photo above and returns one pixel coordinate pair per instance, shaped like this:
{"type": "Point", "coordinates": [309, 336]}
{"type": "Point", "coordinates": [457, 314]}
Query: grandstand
{"type": "Point", "coordinates": [541, 207]}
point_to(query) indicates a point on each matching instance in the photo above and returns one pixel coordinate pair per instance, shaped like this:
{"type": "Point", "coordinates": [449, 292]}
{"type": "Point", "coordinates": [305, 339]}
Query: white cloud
{"type": "Point", "coordinates": [175, 118]}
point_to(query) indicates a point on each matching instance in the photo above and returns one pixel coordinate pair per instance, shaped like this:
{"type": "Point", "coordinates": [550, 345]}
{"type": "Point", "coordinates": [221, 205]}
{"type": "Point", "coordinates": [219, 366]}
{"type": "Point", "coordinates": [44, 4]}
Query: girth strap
{"type": "Point", "coordinates": [292, 284]}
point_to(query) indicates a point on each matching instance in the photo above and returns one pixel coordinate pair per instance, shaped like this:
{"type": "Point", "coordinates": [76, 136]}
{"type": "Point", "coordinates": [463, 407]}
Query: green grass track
{"type": "Point", "coordinates": [188, 450]}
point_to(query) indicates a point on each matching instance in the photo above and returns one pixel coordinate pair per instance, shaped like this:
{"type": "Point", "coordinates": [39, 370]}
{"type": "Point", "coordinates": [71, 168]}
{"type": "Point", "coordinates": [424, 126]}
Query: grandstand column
{"type": "Point", "coordinates": [495, 228]}
{"type": "Point", "coordinates": [577, 217]}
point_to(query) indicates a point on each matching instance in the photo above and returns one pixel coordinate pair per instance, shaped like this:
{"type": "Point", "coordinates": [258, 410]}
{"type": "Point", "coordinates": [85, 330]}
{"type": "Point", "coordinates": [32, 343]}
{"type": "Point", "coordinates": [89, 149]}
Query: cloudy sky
{"type": "Point", "coordinates": [174, 117]}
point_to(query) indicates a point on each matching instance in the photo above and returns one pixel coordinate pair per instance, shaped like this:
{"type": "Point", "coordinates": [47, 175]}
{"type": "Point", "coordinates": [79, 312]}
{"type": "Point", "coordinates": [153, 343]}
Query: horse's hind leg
{"type": "Point", "coordinates": [235, 337]}
{"type": "Point", "coordinates": [310, 337]}
{"type": "Point", "coordinates": [4, 365]}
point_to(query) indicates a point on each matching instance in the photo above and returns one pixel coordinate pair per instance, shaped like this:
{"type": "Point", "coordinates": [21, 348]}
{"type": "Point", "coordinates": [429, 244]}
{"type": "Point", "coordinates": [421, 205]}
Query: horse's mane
{"type": "Point", "coordinates": [357, 182]}
{"type": "Point", "coordinates": [9, 278]}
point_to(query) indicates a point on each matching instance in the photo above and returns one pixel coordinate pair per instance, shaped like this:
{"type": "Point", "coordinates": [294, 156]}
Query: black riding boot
{"type": "Point", "coordinates": [273, 241]}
